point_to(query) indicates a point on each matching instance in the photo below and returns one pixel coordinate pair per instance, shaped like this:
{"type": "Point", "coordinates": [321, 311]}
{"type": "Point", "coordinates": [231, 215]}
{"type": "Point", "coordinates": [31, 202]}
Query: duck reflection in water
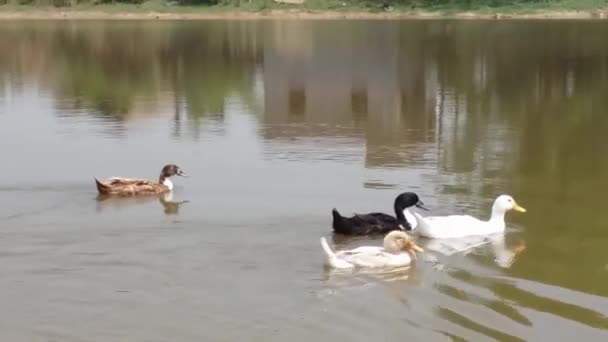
{"type": "Point", "coordinates": [170, 207]}
{"type": "Point", "coordinates": [504, 254]}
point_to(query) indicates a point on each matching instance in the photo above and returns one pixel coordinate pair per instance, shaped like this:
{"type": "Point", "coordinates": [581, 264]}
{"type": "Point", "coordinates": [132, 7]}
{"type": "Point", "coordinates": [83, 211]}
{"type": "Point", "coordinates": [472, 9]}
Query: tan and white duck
{"type": "Point", "coordinates": [398, 250]}
{"type": "Point", "coordinates": [119, 186]}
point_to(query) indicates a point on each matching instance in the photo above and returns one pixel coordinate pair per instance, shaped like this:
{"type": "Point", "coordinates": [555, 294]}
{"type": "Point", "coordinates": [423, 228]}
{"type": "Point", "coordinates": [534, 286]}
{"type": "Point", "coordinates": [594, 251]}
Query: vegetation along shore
{"type": "Point", "coordinates": [313, 9]}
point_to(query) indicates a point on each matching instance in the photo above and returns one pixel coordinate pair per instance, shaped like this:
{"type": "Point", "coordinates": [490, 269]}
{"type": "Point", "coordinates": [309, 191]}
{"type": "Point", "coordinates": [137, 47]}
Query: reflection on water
{"type": "Point", "coordinates": [341, 278]}
{"type": "Point", "coordinates": [504, 255]}
{"type": "Point", "coordinates": [170, 207]}
{"type": "Point", "coordinates": [278, 122]}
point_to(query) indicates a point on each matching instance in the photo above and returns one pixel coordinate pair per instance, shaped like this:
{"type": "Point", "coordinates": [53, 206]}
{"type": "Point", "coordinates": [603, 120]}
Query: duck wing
{"type": "Point", "coordinates": [368, 257]}
{"type": "Point", "coordinates": [382, 217]}
{"type": "Point", "coordinates": [377, 222]}
{"type": "Point", "coordinates": [364, 224]}
{"type": "Point", "coordinates": [452, 226]}
{"type": "Point", "coordinates": [127, 186]}
{"type": "Point", "coordinates": [116, 181]}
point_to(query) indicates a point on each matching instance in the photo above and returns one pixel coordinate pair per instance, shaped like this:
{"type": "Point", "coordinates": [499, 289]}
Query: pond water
{"type": "Point", "coordinates": [277, 122]}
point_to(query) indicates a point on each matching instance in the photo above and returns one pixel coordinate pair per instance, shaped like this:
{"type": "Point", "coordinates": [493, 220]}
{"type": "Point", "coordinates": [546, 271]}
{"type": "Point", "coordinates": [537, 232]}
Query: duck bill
{"type": "Point", "coordinates": [182, 174]}
{"type": "Point", "coordinates": [519, 208]}
{"type": "Point", "coordinates": [414, 247]}
{"type": "Point", "coordinates": [417, 249]}
{"type": "Point", "coordinates": [421, 206]}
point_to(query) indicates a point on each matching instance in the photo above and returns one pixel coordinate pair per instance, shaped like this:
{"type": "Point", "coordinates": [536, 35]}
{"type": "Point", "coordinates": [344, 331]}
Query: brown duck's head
{"type": "Point", "coordinates": [171, 170]}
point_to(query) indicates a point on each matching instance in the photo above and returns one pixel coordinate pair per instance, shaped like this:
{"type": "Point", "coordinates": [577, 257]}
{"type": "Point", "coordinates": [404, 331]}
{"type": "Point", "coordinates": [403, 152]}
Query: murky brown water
{"type": "Point", "coordinates": [278, 122]}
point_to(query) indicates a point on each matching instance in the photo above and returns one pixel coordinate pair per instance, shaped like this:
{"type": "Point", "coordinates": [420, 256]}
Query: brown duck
{"type": "Point", "coordinates": [131, 187]}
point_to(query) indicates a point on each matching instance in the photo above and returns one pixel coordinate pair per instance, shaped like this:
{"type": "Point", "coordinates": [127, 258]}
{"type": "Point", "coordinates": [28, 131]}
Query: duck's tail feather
{"type": "Point", "coordinates": [337, 218]}
{"type": "Point", "coordinates": [330, 254]}
{"type": "Point", "coordinates": [102, 188]}
{"type": "Point", "coordinates": [336, 214]}
{"type": "Point", "coordinates": [332, 259]}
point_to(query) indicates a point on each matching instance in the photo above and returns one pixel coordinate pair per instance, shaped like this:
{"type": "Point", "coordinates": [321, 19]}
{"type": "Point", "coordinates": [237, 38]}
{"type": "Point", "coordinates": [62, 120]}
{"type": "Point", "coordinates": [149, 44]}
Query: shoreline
{"type": "Point", "coordinates": [82, 14]}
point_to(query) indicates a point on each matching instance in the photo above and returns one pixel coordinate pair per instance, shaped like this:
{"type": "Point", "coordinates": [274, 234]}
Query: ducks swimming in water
{"type": "Point", "coordinates": [457, 226]}
{"type": "Point", "coordinates": [398, 250]}
{"type": "Point", "coordinates": [380, 223]}
{"type": "Point", "coordinates": [131, 187]}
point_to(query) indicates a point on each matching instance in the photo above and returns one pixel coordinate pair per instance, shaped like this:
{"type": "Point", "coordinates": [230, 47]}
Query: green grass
{"type": "Point", "coordinates": [223, 6]}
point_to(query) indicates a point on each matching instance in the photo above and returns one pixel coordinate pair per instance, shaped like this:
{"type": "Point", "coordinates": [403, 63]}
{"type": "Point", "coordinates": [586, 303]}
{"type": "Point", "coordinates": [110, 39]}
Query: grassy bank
{"type": "Point", "coordinates": [194, 9]}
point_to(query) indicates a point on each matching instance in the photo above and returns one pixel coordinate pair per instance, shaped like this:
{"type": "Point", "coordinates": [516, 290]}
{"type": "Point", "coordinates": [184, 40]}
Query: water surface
{"type": "Point", "coordinates": [277, 122]}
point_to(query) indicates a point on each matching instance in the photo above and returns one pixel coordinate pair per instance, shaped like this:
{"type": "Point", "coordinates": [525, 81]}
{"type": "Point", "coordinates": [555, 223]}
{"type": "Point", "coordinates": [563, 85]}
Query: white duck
{"type": "Point", "coordinates": [398, 250]}
{"type": "Point", "coordinates": [456, 226]}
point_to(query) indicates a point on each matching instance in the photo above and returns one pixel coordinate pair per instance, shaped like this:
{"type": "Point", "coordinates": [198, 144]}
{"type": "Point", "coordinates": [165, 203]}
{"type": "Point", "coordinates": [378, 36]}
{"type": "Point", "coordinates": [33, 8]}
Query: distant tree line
{"type": "Point", "coordinates": [317, 3]}
{"type": "Point", "coordinates": [424, 3]}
